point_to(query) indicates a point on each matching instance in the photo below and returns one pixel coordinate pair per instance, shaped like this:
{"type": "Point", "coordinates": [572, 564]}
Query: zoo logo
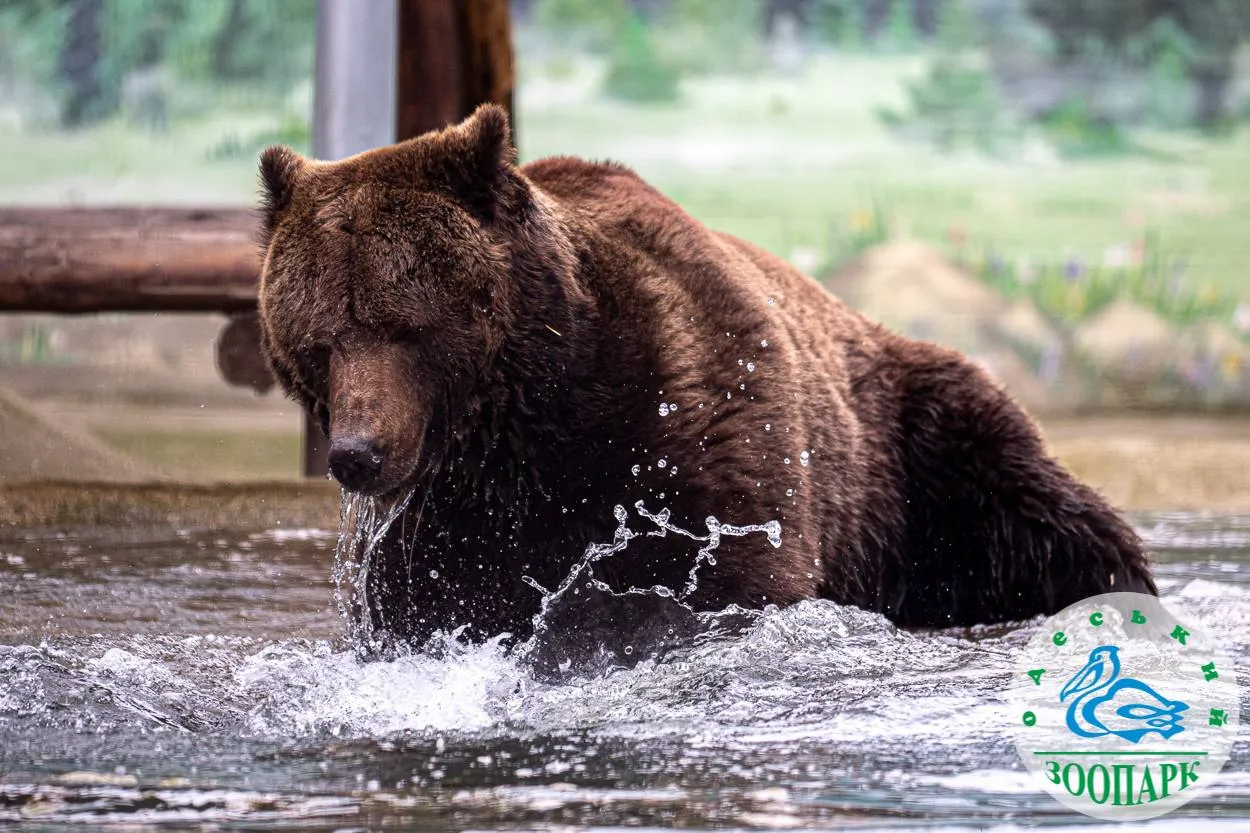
{"type": "Point", "coordinates": [1122, 711]}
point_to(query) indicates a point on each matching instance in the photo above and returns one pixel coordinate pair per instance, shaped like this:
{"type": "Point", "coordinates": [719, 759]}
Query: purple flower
{"type": "Point", "coordinates": [1073, 270]}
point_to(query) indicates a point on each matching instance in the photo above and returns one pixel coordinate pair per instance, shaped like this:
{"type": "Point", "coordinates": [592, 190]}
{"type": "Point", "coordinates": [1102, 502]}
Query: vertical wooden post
{"type": "Point", "coordinates": [452, 56]}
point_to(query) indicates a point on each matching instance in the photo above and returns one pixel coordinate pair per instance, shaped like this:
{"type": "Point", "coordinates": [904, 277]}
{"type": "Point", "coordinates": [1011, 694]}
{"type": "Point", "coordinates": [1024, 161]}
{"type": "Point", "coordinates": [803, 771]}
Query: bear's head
{"type": "Point", "coordinates": [385, 289]}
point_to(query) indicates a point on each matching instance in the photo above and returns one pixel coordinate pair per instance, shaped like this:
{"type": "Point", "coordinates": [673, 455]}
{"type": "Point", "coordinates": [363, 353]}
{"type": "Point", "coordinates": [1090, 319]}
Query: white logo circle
{"type": "Point", "coordinates": [1122, 711]}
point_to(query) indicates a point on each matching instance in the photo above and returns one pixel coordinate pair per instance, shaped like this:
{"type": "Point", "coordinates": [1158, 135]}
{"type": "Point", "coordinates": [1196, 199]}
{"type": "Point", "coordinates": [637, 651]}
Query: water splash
{"type": "Point", "coordinates": [363, 523]}
{"type": "Point", "coordinates": [620, 541]}
{"type": "Point", "coordinates": [710, 541]}
{"type": "Point", "coordinates": [298, 689]}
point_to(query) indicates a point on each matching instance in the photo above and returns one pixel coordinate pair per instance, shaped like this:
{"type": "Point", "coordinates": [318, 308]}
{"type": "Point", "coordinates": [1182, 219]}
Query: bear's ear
{"type": "Point", "coordinates": [279, 167]}
{"type": "Point", "coordinates": [481, 159]}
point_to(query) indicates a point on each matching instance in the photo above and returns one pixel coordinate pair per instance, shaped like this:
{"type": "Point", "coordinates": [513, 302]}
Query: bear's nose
{"type": "Point", "coordinates": [355, 462]}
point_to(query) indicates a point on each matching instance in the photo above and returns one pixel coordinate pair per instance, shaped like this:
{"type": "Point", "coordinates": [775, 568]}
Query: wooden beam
{"type": "Point", "coordinates": [90, 260]}
{"type": "Point", "coordinates": [453, 55]}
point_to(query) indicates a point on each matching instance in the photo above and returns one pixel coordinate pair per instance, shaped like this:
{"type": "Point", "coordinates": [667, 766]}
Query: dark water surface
{"type": "Point", "coordinates": [196, 679]}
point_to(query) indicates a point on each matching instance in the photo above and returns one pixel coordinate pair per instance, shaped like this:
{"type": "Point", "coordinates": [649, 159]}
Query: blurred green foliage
{"type": "Point", "coordinates": [1094, 69]}
{"type": "Point", "coordinates": [864, 228]}
{"type": "Point", "coordinates": [648, 54]}
{"type": "Point", "coordinates": [94, 53]}
{"type": "Point", "coordinates": [292, 131]}
{"type": "Point", "coordinates": [581, 24]}
{"type": "Point", "coordinates": [1076, 288]}
{"type": "Point", "coordinates": [635, 71]}
{"type": "Point", "coordinates": [1176, 40]}
{"type": "Point", "coordinates": [1115, 64]}
{"type": "Point", "coordinates": [1070, 289]}
{"type": "Point", "coordinates": [1075, 131]}
{"type": "Point", "coordinates": [956, 105]}
{"type": "Point", "coordinates": [711, 36]}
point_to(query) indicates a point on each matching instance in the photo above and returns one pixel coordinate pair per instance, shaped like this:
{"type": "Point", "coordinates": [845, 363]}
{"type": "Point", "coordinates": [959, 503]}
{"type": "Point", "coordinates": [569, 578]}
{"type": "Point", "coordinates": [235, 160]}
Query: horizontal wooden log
{"type": "Point", "coordinates": [86, 260]}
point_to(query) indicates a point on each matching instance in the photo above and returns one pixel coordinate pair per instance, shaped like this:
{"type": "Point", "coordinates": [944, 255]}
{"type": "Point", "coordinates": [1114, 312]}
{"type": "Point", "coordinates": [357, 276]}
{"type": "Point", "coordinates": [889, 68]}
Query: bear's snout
{"type": "Point", "coordinates": [356, 462]}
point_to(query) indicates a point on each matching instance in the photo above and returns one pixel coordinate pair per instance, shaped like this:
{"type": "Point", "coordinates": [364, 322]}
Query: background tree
{"type": "Point", "coordinates": [80, 63]}
{"type": "Point", "coordinates": [1139, 33]}
{"type": "Point", "coordinates": [95, 45]}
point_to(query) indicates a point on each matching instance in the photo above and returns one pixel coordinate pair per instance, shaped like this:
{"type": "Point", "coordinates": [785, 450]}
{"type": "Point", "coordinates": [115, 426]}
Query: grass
{"type": "Point", "coordinates": [112, 163]}
{"type": "Point", "coordinates": [786, 161]}
{"type": "Point", "coordinates": [204, 455]}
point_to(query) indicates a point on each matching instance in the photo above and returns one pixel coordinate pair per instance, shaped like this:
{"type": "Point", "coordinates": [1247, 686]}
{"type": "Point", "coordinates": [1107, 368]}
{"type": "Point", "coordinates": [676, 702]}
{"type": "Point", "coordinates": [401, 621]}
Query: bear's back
{"type": "Point", "coordinates": [715, 269]}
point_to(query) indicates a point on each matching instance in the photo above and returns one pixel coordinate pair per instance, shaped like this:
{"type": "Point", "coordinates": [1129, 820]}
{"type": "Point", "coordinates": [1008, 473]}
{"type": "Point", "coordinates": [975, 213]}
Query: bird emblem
{"type": "Point", "coordinates": [1104, 703]}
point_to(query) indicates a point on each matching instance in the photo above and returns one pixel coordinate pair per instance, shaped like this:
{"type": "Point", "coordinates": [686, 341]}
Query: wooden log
{"type": "Point", "coordinates": [90, 260]}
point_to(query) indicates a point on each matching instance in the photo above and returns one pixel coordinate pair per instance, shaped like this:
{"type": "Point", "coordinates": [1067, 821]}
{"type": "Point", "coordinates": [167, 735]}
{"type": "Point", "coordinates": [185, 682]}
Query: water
{"type": "Point", "coordinates": [187, 679]}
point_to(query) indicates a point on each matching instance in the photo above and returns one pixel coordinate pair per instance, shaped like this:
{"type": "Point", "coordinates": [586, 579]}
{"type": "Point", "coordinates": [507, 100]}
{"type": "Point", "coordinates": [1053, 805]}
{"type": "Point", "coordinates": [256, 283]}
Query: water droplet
{"type": "Point", "coordinates": [789, 492]}
{"type": "Point", "coordinates": [771, 302]}
{"type": "Point", "coordinates": [629, 649]}
{"type": "Point", "coordinates": [741, 362]}
{"type": "Point", "coordinates": [764, 343]}
{"type": "Point", "coordinates": [662, 462]}
{"type": "Point", "coordinates": [804, 458]}
{"type": "Point", "coordinates": [768, 426]}
{"type": "Point", "coordinates": [672, 407]}
{"type": "Point", "coordinates": [663, 409]}
{"type": "Point", "coordinates": [786, 461]}
{"type": "Point", "coordinates": [750, 367]}
{"type": "Point", "coordinates": [636, 469]}
{"type": "Point", "coordinates": [433, 573]}
{"type": "Point", "coordinates": [742, 387]}
{"type": "Point", "coordinates": [729, 395]}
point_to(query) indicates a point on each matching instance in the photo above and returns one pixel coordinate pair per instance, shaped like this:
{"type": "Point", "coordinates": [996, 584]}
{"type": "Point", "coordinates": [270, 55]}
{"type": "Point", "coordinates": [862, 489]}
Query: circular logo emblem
{"type": "Point", "coordinates": [1122, 710]}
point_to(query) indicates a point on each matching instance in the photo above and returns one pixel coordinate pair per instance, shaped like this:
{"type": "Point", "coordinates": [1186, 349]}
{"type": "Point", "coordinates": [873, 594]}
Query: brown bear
{"type": "Point", "coordinates": [525, 348]}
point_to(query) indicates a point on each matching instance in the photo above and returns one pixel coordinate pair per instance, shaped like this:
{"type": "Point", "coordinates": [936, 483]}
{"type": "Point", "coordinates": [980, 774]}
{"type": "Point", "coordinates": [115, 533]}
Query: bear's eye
{"type": "Point", "coordinates": [406, 333]}
{"type": "Point", "coordinates": [312, 365]}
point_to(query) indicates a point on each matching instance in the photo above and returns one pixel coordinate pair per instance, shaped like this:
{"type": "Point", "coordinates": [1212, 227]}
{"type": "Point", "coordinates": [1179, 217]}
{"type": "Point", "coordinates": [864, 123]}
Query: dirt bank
{"type": "Point", "coordinates": [33, 447]}
{"type": "Point", "coordinates": [1160, 463]}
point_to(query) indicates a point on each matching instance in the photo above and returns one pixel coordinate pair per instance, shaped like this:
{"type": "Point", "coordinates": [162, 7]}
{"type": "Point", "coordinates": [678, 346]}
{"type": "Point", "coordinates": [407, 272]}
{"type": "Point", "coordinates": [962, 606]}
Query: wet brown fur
{"type": "Point", "coordinates": [508, 334]}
